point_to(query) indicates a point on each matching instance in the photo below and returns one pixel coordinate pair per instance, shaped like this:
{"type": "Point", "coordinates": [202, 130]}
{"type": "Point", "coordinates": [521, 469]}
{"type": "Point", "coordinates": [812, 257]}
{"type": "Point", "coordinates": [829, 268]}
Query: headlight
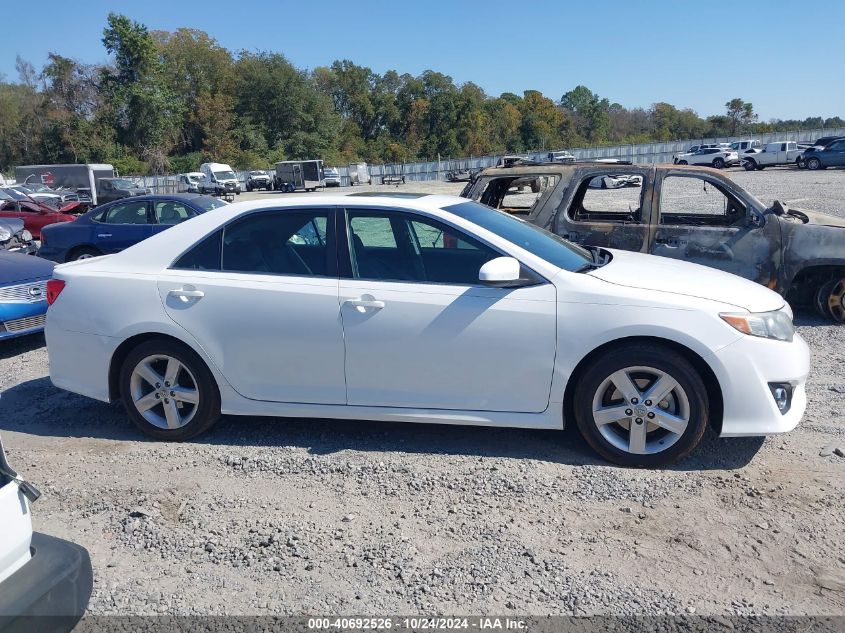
{"type": "Point", "coordinates": [5, 234]}
{"type": "Point", "coordinates": [776, 324]}
{"type": "Point", "coordinates": [26, 236]}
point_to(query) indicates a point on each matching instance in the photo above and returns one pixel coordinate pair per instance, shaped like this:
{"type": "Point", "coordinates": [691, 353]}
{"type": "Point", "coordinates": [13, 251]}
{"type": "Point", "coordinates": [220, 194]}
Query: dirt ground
{"type": "Point", "coordinates": [325, 516]}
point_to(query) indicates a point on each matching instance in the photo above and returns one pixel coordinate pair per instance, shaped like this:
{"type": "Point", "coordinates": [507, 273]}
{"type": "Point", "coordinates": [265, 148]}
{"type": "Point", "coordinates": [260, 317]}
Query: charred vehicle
{"type": "Point", "coordinates": [696, 214]}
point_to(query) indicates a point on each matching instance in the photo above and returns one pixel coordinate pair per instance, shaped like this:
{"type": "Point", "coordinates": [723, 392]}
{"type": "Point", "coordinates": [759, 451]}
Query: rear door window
{"type": "Point", "coordinates": [616, 197]}
{"type": "Point", "coordinates": [126, 213]}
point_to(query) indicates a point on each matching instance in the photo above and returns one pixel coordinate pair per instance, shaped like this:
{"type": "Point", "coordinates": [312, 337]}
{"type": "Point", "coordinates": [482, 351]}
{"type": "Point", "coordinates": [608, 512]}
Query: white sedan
{"type": "Point", "coordinates": [422, 309]}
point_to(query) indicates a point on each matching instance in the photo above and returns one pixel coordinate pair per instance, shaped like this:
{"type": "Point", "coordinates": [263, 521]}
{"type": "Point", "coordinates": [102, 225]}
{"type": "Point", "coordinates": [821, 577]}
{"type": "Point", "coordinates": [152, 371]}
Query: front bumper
{"type": "Point", "coordinates": [745, 369]}
{"type": "Point", "coordinates": [51, 591]}
{"type": "Point", "coordinates": [20, 319]}
{"type": "Point", "coordinates": [16, 246]}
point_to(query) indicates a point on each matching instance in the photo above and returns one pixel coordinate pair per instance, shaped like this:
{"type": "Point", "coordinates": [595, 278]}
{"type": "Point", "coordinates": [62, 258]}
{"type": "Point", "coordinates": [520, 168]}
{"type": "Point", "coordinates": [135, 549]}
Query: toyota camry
{"type": "Point", "coordinates": [422, 308]}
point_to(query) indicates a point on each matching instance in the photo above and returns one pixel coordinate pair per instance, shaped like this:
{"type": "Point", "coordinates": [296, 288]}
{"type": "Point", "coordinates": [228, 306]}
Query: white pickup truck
{"type": "Point", "coordinates": [40, 575]}
{"type": "Point", "coordinates": [780, 153]}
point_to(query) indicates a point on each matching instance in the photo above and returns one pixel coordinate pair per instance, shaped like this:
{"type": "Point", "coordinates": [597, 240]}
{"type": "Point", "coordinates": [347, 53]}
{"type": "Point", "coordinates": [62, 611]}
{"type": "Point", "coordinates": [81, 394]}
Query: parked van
{"type": "Point", "coordinates": [218, 179]}
{"type": "Point", "coordinates": [188, 182]}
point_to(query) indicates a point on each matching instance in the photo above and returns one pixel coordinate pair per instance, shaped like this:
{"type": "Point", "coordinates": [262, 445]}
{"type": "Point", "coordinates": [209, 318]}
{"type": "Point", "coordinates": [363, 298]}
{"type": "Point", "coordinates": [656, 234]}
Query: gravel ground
{"type": "Point", "coordinates": [313, 516]}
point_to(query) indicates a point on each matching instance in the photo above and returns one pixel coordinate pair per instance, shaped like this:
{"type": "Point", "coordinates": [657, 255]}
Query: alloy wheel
{"type": "Point", "coordinates": [164, 391]}
{"type": "Point", "coordinates": [641, 410]}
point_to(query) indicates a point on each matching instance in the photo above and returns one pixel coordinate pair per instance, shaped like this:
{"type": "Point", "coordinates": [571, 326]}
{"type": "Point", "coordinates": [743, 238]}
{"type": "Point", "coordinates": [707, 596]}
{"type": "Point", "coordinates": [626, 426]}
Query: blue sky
{"type": "Point", "coordinates": [691, 54]}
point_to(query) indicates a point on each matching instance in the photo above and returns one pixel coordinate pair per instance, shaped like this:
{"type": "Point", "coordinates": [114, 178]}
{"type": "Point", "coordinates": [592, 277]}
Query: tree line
{"type": "Point", "coordinates": [168, 101]}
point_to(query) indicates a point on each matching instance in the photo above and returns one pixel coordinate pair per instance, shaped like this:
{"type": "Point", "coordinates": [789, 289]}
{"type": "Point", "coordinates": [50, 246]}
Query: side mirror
{"type": "Point", "coordinates": [500, 272]}
{"type": "Point", "coordinates": [756, 219]}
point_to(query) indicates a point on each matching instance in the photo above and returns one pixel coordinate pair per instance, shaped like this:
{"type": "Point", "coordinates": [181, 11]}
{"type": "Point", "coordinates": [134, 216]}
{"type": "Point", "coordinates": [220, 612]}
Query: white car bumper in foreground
{"type": "Point", "coordinates": [746, 369]}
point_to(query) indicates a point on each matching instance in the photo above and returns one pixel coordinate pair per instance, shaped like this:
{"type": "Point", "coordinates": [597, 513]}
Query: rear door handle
{"type": "Point", "coordinates": [103, 234]}
{"type": "Point", "coordinates": [186, 295]}
{"type": "Point", "coordinates": [365, 303]}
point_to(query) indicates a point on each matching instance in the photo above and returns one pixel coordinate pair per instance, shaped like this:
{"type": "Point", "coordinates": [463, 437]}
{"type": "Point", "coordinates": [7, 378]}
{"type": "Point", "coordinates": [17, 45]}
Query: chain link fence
{"type": "Point", "coordinates": [658, 152]}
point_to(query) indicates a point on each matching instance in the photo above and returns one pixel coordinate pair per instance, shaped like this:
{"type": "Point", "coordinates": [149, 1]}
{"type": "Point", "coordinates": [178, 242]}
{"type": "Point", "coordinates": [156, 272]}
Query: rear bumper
{"type": "Point", "coordinates": [57, 255]}
{"type": "Point", "coordinates": [745, 370]}
{"type": "Point", "coordinates": [50, 592]}
{"type": "Point", "coordinates": [80, 362]}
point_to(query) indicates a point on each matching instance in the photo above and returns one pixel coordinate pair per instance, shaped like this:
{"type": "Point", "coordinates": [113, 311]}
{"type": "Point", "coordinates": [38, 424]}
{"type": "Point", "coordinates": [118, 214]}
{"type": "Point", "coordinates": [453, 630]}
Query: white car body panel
{"type": "Point", "coordinates": [15, 530]}
{"type": "Point", "coordinates": [433, 352]}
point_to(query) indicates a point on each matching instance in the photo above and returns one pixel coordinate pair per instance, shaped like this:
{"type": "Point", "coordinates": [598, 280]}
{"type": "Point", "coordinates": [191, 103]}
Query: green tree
{"type": "Point", "coordinates": [741, 115]}
{"type": "Point", "coordinates": [145, 112]}
{"type": "Point", "coordinates": [591, 113]}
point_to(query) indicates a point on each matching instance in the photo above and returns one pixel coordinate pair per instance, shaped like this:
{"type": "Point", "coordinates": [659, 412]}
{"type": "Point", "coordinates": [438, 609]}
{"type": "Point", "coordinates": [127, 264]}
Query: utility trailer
{"type": "Point", "coordinates": [299, 175]}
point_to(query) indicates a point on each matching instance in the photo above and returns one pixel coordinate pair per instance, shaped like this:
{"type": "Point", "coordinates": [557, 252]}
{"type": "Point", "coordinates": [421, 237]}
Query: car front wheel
{"type": "Point", "coordinates": [813, 164]}
{"type": "Point", "coordinates": [749, 165]}
{"type": "Point", "coordinates": [168, 391]}
{"type": "Point", "coordinates": [641, 406]}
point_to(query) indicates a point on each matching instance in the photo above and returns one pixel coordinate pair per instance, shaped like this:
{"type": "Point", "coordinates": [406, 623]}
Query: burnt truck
{"type": "Point", "coordinates": [696, 214]}
{"type": "Point", "coordinates": [298, 175]}
{"type": "Point", "coordinates": [94, 183]}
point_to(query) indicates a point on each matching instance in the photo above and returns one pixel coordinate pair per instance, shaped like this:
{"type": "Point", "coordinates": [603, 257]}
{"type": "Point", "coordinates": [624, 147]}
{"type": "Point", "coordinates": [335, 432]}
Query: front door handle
{"type": "Point", "coordinates": [365, 303]}
{"type": "Point", "coordinates": [103, 234]}
{"type": "Point", "coordinates": [671, 242]}
{"type": "Point", "coordinates": [186, 295]}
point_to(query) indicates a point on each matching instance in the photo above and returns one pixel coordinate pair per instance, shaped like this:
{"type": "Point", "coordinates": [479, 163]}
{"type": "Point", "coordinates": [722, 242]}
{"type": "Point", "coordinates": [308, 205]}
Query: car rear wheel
{"type": "Point", "coordinates": [813, 164]}
{"type": "Point", "coordinates": [641, 406]}
{"type": "Point", "coordinates": [83, 252]}
{"type": "Point", "coordinates": [719, 163]}
{"type": "Point", "coordinates": [168, 391]}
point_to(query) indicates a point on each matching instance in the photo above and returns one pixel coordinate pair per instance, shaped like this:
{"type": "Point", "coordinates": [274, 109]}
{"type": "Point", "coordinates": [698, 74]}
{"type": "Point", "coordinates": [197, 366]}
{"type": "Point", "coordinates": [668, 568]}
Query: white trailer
{"type": "Point", "coordinates": [359, 174]}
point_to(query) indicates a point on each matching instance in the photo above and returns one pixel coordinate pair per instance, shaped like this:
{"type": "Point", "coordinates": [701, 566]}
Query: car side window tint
{"type": "Point", "coordinates": [171, 212]}
{"type": "Point", "coordinates": [613, 197]}
{"type": "Point", "coordinates": [405, 247]}
{"type": "Point", "coordinates": [277, 243]}
{"type": "Point", "coordinates": [691, 200]}
{"type": "Point", "coordinates": [127, 213]}
{"type": "Point", "coordinates": [203, 256]}
{"type": "Point", "coordinates": [837, 146]}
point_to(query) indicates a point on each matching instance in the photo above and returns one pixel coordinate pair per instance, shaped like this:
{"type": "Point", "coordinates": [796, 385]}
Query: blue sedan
{"type": "Point", "coordinates": [112, 227]}
{"type": "Point", "coordinates": [23, 293]}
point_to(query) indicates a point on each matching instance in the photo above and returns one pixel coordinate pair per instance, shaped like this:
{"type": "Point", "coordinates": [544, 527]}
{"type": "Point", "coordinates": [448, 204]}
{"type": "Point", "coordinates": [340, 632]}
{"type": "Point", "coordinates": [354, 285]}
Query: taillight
{"type": "Point", "coordinates": [54, 289]}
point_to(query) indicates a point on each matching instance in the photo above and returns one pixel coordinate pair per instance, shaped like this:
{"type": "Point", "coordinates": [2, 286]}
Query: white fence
{"type": "Point", "coordinates": [660, 152]}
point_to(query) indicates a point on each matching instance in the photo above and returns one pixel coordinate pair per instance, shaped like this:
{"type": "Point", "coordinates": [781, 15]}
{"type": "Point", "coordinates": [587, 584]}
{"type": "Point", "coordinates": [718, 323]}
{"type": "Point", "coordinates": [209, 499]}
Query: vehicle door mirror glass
{"type": "Point", "coordinates": [501, 272]}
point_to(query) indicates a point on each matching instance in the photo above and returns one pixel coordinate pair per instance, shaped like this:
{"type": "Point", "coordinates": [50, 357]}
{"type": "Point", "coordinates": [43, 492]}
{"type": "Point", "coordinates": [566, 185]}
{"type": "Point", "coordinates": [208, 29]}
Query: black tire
{"type": "Point", "coordinates": [761, 167]}
{"type": "Point", "coordinates": [749, 164]}
{"type": "Point", "coordinates": [682, 162]}
{"type": "Point", "coordinates": [83, 252]}
{"type": "Point", "coordinates": [813, 163]}
{"type": "Point", "coordinates": [719, 163]}
{"type": "Point", "coordinates": [207, 410]}
{"type": "Point", "coordinates": [660, 358]}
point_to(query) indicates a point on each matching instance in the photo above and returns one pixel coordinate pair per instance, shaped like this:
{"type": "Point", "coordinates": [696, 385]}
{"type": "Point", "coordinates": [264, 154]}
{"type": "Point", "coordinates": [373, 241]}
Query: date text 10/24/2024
{"type": "Point", "coordinates": [418, 623]}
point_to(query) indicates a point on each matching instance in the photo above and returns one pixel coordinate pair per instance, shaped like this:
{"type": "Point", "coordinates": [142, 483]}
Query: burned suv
{"type": "Point", "coordinates": [696, 214]}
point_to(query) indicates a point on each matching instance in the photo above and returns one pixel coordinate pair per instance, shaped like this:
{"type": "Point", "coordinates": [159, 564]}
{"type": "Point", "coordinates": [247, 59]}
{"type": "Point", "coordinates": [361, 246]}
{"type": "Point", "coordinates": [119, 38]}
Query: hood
{"type": "Point", "coordinates": [821, 219]}
{"type": "Point", "coordinates": [662, 274]}
{"type": "Point", "coordinates": [13, 224]}
{"type": "Point", "coordinates": [17, 268]}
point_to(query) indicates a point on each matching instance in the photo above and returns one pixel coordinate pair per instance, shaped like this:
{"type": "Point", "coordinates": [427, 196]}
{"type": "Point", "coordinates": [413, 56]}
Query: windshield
{"type": "Point", "coordinates": [257, 173]}
{"type": "Point", "coordinates": [17, 195]}
{"type": "Point", "coordinates": [122, 183]}
{"type": "Point", "coordinates": [5, 196]}
{"type": "Point", "coordinates": [224, 175]}
{"type": "Point", "coordinates": [207, 203]}
{"type": "Point", "coordinates": [555, 250]}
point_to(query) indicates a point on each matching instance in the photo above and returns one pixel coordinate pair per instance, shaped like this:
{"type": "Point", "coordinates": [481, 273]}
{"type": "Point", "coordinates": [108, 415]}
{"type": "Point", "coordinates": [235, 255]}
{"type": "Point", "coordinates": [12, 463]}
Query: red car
{"type": "Point", "coordinates": [35, 215]}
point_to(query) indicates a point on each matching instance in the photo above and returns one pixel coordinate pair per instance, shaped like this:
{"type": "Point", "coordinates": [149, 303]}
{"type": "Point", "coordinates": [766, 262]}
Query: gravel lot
{"type": "Point", "coordinates": [313, 516]}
